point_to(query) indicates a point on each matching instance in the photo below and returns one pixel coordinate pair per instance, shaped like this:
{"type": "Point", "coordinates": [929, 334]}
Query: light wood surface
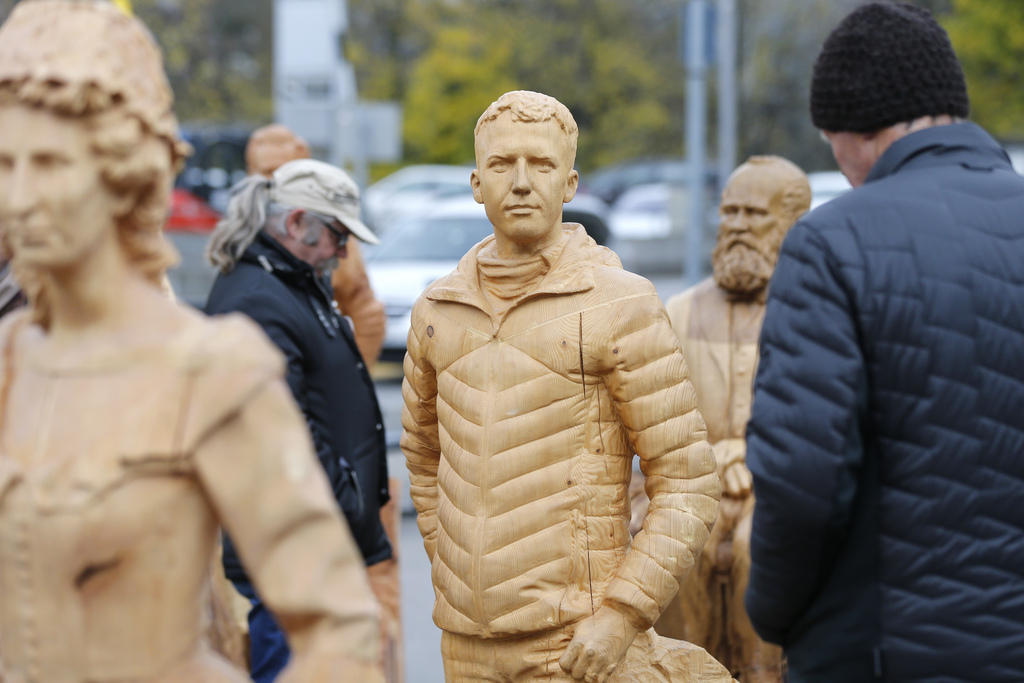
{"type": "Point", "coordinates": [535, 372]}
{"type": "Point", "coordinates": [131, 427]}
{"type": "Point", "coordinates": [718, 323]}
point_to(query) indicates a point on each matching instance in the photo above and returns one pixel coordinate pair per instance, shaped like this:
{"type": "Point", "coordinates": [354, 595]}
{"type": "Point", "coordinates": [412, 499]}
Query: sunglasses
{"type": "Point", "coordinates": [328, 223]}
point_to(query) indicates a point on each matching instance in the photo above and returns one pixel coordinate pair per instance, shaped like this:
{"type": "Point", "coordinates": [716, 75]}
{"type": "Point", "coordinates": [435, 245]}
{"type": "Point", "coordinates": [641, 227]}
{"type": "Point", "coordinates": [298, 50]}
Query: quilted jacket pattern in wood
{"type": "Point", "coordinates": [519, 432]}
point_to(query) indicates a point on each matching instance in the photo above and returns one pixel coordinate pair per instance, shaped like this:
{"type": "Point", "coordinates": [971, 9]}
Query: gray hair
{"type": "Point", "coordinates": [249, 211]}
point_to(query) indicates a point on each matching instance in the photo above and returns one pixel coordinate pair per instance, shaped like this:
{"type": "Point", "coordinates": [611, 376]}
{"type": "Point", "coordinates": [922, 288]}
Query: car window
{"type": "Point", "coordinates": [432, 239]}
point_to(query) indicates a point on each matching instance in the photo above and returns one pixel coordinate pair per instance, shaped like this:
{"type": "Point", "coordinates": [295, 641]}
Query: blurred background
{"type": "Point", "coordinates": [669, 95]}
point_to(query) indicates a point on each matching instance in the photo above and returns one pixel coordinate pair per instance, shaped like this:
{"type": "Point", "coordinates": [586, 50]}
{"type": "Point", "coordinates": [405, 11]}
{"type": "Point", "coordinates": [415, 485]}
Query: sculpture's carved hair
{"type": "Point", "coordinates": [532, 107]}
{"type": "Point", "coordinates": [796, 190]}
{"type": "Point", "coordinates": [88, 61]}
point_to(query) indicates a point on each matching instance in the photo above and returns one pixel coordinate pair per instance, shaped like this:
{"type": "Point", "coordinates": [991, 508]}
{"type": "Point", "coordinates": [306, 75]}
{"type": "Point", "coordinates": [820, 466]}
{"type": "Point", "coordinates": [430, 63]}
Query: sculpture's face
{"type": "Point", "coordinates": [55, 208]}
{"type": "Point", "coordinates": [752, 225]}
{"type": "Point", "coordinates": [523, 176]}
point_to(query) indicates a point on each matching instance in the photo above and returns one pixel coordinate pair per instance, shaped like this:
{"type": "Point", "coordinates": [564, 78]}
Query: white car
{"type": "Point", "coordinates": [419, 250]}
{"type": "Point", "coordinates": [410, 191]}
{"type": "Point", "coordinates": [827, 185]}
{"type": "Point", "coordinates": [642, 213]}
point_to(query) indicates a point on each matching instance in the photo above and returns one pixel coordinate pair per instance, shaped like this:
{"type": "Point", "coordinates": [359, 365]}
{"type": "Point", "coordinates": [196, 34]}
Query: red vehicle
{"type": "Point", "coordinates": [199, 196]}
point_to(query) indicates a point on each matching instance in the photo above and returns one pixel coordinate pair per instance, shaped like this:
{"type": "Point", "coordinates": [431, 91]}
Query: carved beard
{"type": "Point", "coordinates": [743, 265]}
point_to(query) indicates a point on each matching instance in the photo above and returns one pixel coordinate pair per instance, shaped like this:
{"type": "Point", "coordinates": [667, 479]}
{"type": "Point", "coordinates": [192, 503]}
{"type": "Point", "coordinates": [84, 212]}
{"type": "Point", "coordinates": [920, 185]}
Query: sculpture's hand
{"type": "Point", "coordinates": [736, 480]}
{"type": "Point", "coordinates": [598, 646]}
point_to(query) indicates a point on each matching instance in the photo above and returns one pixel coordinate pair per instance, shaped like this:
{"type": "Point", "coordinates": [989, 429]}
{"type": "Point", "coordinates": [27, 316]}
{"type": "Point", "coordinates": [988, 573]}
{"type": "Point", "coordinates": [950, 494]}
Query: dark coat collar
{"type": "Point", "coordinates": [270, 255]}
{"type": "Point", "coordinates": [959, 143]}
{"type": "Point", "coordinates": [267, 249]}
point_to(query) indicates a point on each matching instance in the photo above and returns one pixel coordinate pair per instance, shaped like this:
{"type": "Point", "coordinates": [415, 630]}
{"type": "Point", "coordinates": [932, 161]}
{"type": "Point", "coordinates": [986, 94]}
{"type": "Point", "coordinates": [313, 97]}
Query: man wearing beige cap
{"type": "Point", "coordinates": [275, 248]}
{"type": "Point", "coordinates": [269, 148]}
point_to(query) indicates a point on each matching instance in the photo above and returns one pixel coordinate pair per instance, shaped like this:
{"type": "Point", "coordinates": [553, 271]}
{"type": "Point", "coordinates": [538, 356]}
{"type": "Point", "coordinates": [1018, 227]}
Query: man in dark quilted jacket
{"type": "Point", "coordinates": [887, 436]}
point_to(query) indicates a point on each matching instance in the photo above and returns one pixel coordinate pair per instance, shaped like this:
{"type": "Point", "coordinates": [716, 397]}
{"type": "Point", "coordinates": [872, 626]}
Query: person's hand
{"type": "Point", "coordinates": [736, 480]}
{"type": "Point", "coordinates": [598, 646]}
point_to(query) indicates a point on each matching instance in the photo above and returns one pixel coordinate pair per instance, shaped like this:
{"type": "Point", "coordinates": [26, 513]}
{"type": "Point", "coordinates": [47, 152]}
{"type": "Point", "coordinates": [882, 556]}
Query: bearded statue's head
{"type": "Point", "coordinates": [762, 200]}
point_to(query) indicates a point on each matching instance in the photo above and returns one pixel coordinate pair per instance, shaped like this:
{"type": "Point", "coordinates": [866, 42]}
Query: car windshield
{"type": "Point", "coordinates": [432, 239]}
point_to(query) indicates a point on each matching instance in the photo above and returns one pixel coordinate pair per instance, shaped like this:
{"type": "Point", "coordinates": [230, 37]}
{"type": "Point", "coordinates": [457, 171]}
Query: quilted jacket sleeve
{"type": "Point", "coordinates": [658, 407]}
{"type": "Point", "coordinates": [420, 441]}
{"type": "Point", "coordinates": [803, 440]}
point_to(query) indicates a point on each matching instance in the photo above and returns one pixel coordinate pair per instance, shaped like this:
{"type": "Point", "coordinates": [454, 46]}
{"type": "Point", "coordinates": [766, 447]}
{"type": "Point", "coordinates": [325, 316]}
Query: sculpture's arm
{"type": "Point", "coordinates": [356, 299]}
{"type": "Point", "coordinates": [804, 445]}
{"type": "Point", "coordinates": [658, 407]}
{"type": "Point", "coordinates": [420, 441]}
{"type": "Point", "coordinates": [259, 472]}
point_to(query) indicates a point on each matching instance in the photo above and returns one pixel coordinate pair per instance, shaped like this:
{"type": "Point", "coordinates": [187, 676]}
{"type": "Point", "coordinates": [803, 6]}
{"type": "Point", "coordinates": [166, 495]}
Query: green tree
{"type": "Point", "coordinates": [216, 53]}
{"type": "Point", "coordinates": [987, 37]}
{"type": "Point", "coordinates": [452, 83]}
{"type": "Point", "coordinates": [612, 62]}
{"type": "Point", "coordinates": [217, 56]}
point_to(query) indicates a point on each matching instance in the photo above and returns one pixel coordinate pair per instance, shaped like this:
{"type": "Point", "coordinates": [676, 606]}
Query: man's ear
{"type": "Point", "coordinates": [474, 182]}
{"type": "Point", "coordinates": [571, 186]}
{"type": "Point", "coordinates": [293, 224]}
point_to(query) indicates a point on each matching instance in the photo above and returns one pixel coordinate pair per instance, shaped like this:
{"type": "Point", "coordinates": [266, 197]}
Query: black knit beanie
{"type": "Point", "coordinates": [885, 63]}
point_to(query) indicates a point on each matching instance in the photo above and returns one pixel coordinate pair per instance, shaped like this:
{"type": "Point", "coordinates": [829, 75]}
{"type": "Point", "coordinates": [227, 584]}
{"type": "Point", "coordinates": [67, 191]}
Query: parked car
{"type": "Point", "coordinates": [610, 182]}
{"type": "Point", "coordinates": [642, 212]}
{"type": "Point", "coordinates": [217, 163]}
{"type": "Point", "coordinates": [826, 185]}
{"type": "Point", "coordinates": [419, 249]}
{"type": "Point", "coordinates": [411, 190]}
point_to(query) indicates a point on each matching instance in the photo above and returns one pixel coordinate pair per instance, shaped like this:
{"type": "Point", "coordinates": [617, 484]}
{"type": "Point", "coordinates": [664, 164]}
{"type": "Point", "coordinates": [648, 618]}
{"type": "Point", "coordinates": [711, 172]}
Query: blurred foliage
{"type": "Point", "coordinates": [987, 37]}
{"type": "Point", "coordinates": [779, 41]}
{"type": "Point", "coordinates": [217, 55]}
{"type": "Point", "coordinates": [612, 62]}
{"type": "Point", "coordinates": [615, 64]}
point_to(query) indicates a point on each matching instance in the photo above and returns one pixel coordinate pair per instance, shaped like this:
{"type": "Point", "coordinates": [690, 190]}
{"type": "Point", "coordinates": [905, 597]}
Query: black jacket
{"type": "Point", "coordinates": [887, 433]}
{"type": "Point", "coordinates": [327, 376]}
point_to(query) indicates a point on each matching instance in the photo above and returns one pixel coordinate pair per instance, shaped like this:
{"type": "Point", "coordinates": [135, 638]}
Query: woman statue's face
{"type": "Point", "coordinates": [55, 208]}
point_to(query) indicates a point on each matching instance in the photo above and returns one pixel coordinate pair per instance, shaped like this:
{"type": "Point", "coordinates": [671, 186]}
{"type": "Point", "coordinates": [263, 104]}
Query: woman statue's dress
{"type": "Point", "coordinates": [114, 476]}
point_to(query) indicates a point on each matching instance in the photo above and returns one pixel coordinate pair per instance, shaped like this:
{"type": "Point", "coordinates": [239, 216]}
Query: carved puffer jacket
{"type": "Point", "coordinates": [519, 434]}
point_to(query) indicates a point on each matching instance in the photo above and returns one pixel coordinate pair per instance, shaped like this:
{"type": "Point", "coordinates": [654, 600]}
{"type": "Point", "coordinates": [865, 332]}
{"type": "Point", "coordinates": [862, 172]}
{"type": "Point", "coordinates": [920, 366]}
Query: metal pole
{"type": "Point", "coordinates": [696, 112]}
{"type": "Point", "coordinates": [727, 108]}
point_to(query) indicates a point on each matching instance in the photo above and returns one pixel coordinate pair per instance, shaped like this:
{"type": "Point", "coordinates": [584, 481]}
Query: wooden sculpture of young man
{"type": "Point", "coordinates": [125, 419]}
{"type": "Point", "coordinates": [535, 371]}
{"type": "Point", "coordinates": [718, 322]}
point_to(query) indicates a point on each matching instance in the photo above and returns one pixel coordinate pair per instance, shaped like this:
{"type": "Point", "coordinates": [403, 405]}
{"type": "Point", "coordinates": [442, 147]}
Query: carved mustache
{"type": "Point", "coordinates": [730, 242]}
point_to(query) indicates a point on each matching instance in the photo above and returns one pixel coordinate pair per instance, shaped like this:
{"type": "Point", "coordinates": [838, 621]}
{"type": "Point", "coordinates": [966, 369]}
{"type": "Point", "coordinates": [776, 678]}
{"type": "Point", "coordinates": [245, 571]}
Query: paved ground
{"type": "Point", "coordinates": [422, 637]}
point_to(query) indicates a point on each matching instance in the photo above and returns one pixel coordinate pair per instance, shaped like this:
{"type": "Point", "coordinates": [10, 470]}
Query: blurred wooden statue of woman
{"type": "Point", "coordinates": [130, 426]}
